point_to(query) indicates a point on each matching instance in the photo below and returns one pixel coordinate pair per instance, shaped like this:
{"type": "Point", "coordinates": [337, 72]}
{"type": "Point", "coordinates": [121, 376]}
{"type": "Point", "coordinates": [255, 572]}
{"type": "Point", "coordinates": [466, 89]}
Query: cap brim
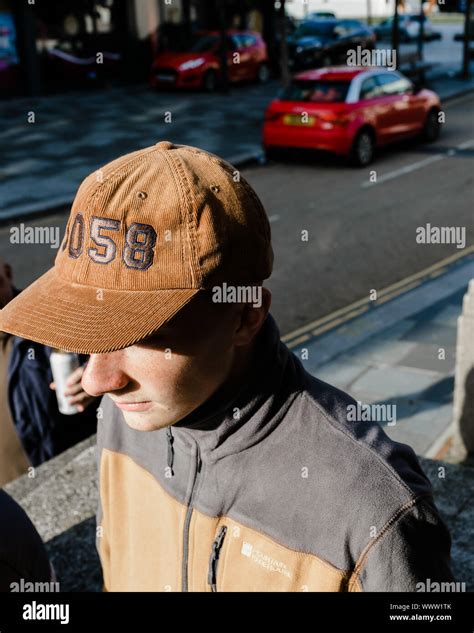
{"type": "Point", "coordinates": [88, 320]}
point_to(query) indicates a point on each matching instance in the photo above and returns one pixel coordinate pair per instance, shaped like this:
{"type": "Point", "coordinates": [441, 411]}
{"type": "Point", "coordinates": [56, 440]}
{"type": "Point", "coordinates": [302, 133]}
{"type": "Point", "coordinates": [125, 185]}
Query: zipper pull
{"type": "Point", "coordinates": [199, 461]}
{"type": "Point", "coordinates": [170, 439]}
{"type": "Point", "coordinates": [216, 547]}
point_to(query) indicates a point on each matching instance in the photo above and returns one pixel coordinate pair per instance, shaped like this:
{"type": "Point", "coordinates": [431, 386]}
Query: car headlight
{"type": "Point", "coordinates": [192, 63]}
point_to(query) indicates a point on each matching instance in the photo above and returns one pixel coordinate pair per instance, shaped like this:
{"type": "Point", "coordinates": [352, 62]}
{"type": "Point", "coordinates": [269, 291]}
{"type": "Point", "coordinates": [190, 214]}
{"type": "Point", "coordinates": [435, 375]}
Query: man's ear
{"type": "Point", "coordinates": [252, 318]}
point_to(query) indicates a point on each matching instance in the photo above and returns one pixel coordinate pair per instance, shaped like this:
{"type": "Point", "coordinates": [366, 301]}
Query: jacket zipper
{"type": "Point", "coordinates": [214, 558]}
{"type": "Point", "coordinates": [170, 455]}
{"type": "Point", "coordinates": [187, 522]}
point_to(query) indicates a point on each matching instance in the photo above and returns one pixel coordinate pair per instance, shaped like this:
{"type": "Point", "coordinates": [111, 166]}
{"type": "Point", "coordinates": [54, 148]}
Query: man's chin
{"type": "Point", "coordinates": [143, 422]}
{"type": "Point", "coordinates": [140, 422]}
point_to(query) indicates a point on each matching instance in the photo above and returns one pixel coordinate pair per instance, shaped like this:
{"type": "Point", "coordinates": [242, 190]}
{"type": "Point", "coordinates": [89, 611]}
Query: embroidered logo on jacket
{"type": "Point", "coordinates": [264, 560]}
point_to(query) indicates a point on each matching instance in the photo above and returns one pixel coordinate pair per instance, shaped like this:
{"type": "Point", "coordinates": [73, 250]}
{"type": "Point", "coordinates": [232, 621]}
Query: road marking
{"type": "Point", "coordinates": [404, 170]}
{"type": "Point", "coordinates": [465, 145]}
{"type": "Point", "coordinates": [418, 165]}
{"type": "Point", "coordinates": [341, 315]}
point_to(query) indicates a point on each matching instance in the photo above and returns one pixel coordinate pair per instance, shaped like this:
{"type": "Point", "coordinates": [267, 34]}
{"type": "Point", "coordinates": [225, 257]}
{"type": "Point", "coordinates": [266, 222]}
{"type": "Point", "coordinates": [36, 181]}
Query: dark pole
{"type": "Point", "coordinates": [466, 48]}
{"type": "Point", "coordinates": [186, 5]}
{"type": "Point", "coordinates": [243, 15]}
{"type": "Point", "coordinates": [395, 31]}
{"type": "Point", "coordinates": [223, 49]}
{"type": "Point", "coordinates": [421, 32]}
{"type": "Point", "coordinates": [25, 23]}
{"type": "Point", "coordinates": [285, 73]}
{"type": "Point", "coordinates": [369, 12]}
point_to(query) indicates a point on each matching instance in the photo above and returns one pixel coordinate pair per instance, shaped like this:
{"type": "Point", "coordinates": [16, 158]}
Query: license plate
{"type": "Point", "coordinates": [299, 119]}
{"type": "Point", "coordinates": [165, 77]}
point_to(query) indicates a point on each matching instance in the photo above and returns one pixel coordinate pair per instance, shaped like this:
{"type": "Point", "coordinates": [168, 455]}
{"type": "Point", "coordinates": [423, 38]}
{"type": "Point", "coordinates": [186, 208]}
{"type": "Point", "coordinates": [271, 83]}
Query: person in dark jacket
{"type": "Point", "coordinates": [34, 430]}
{"type": "Point", "coordinates": [23, 557]}
{"type": "Point", "coordinates": [45, 431]}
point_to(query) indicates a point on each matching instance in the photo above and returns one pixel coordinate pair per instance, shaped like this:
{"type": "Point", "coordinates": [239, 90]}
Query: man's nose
{"type": "Point", "coordinates": [103, 374]}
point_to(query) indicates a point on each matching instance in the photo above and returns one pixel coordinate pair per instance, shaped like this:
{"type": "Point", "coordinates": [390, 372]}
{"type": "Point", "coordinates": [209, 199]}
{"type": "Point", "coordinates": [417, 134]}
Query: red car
{"type": "Point", "coordinates": [350, 111]}
{"type": "Point", "coordinates": [199, 67]}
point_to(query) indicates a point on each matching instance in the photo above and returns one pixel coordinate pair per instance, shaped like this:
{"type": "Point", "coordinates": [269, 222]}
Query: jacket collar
{"type": "Point", "coordinates": [222, 426]}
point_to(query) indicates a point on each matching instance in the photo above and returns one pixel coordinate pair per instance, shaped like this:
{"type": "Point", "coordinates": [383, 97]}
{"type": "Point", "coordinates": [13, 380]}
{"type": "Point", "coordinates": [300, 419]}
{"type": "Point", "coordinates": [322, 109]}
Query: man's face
{"type": "Point", "coordinates": [157, 382]}
{"type": "Point", "coordinates": [6, 288]}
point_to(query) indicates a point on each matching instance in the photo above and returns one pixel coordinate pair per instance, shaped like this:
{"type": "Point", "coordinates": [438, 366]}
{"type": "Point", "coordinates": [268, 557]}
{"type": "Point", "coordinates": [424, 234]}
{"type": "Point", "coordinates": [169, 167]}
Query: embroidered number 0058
{"type": "Point", "coordinates": [140, 240]}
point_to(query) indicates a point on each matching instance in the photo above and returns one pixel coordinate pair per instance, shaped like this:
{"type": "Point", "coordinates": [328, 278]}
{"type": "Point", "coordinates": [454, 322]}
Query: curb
{"type": "Point", "coordinates": [458, 95]}
{"type": "Point", "coordinates": [348, 327]}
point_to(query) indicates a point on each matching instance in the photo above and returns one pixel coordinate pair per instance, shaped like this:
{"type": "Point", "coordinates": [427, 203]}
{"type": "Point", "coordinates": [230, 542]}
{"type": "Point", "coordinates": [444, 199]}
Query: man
{"type": "Point", "coordinates": [32, 430]}
{"type": "Point", "coordinates": [224, 466]}
{"type": "Point", "coordinates": [13, 458]}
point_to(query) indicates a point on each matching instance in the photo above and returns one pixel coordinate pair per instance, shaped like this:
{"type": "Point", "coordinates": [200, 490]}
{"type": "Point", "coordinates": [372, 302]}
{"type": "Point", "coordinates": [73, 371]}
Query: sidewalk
{"type": "Point", "coordinates": [400, 353]}
{"type": "Point", "coordinates": [73, 134]}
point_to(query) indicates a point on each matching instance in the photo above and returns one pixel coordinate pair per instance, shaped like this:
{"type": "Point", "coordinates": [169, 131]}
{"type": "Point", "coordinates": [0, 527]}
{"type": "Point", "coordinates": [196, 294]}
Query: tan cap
{"type": "Point", "coordinates": [146, 233]}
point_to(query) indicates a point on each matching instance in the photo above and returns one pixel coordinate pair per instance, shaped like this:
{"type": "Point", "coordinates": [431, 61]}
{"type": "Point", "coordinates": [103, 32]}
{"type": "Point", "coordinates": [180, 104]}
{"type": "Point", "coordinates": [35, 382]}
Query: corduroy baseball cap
{"type": "Point", "coordinates": [146, 233]}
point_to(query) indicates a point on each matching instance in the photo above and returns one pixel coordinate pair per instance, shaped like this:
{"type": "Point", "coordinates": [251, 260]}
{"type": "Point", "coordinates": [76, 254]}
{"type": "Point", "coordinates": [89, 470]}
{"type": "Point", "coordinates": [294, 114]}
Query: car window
{"type": "Point", "coordinates": [341, 31]}
{"type": "Point", "coordinates": [248, 40]}
{"type": "Point", "coordinates": [351, 25]}
{"type": "Point", "coordinates": [317, 91]}
{"type": "Point", "coordinates": [370, 89]}
{"type": "Point", "coordinates": [203, 44]}
{"type": "Point", "coordinates": [393, 84]}
{"type": "Point", "coordinates": [321, 28]}
{"type": "Point", "coordinates": [241, 40]}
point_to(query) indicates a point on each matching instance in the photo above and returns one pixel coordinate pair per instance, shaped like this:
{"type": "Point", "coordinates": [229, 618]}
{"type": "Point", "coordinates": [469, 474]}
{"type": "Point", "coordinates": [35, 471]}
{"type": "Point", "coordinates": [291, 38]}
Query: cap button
{"type": "Point", "coordinates": [165, 145]}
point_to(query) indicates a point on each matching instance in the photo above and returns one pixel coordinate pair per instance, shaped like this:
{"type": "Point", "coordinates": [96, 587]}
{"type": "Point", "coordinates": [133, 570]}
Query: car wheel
{"type": "Point", "coordinates": [263, 73]}
{"type": "Point", "coordinates": [363, 149]}
{"type": "Point", "coordinates": [210, 81]}
{"type": "Point", "coordinates": [432, 126]}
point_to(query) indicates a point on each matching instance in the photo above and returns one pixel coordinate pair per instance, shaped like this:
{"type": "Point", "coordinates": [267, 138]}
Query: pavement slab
{"type": "Point", "coordinates": [400, 363]}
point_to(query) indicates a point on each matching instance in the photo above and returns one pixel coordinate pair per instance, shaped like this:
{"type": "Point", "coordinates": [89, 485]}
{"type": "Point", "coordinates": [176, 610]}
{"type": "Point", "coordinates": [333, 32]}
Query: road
{"type": "Point", "coordinates": [364, 237]}
{"type": "Point", "coordinates": [361, 236]}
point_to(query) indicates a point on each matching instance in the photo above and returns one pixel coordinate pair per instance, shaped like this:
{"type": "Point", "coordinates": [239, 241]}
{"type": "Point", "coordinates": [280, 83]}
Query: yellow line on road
{"type": "Point", "coordinates": [304, 333]}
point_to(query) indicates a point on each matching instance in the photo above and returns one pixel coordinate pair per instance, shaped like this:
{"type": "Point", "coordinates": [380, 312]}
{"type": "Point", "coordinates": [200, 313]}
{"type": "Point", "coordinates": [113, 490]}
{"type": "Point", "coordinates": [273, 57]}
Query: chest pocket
{"type": "Point", "coordinates": [243, 559]}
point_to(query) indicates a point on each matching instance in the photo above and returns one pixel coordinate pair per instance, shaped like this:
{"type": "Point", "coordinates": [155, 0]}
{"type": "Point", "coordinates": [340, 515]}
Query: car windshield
{"type": "Point", "coordinates": [204, 44]}
{"type": "Point", "coordinates": [314, 28]}
{"type": "Point", "coordinates": [316, 91]}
